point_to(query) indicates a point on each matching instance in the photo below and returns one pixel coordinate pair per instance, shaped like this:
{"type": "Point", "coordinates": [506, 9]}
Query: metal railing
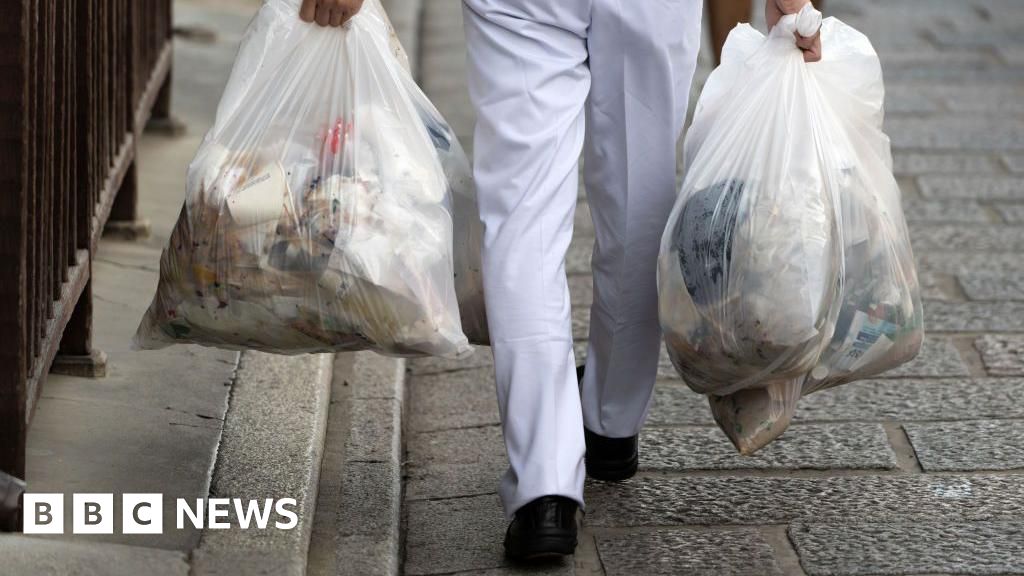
{"type": "Point", "coordinates": [79, 79]}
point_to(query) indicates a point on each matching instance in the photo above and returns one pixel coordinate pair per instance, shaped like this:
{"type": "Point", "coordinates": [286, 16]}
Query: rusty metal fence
{"type": "Point", "coordinates": [79, 79]}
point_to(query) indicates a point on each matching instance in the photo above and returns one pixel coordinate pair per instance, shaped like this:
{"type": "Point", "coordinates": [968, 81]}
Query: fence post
{"type": "Point", "coordinates": [76, 356]}
{"type": "Point", "coordinates": [124, 222]}
{"type": "Point", "coordinates": [13, 237]}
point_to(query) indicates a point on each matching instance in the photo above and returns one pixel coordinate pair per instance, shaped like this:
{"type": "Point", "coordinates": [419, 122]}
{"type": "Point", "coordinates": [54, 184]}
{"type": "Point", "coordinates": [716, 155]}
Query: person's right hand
{"type": "Point", "coordinates": [791, 6]}
{"type": "Point", "coordinates": [773, 12]}
{"type": "Point", "coordinates": [329, 12]}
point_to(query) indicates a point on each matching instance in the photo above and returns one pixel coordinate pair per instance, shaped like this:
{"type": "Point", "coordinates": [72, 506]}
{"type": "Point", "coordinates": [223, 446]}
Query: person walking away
{"type": "Point", "coordinates": [549, 79]}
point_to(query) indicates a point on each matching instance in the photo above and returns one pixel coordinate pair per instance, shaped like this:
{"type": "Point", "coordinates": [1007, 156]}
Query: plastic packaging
{"type": "Point", "coordinates": [320, 208]}
{"type": "Point", "coordinates": [786, 264]}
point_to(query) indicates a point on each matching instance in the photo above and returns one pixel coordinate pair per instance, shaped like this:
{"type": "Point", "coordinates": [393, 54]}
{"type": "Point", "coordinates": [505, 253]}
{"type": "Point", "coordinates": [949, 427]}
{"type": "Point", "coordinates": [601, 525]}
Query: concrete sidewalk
{"type": "Point", "coordinates": [919, 472]}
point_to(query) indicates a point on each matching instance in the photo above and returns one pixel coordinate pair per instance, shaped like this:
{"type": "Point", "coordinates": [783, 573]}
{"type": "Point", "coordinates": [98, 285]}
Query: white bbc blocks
{"type": "Point", "coordinates": [142, 514]}
{"type": "Point", "coordinates": [44, 514]}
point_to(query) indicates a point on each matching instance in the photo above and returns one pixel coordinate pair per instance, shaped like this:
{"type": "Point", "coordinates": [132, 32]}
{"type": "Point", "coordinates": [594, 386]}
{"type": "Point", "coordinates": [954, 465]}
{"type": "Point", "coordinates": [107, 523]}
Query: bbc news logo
{"type": "Point", "coordinates": [144, 514]}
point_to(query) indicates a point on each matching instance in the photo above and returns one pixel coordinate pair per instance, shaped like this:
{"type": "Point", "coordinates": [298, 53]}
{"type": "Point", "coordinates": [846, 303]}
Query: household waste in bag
{"type": "Point", "coordinates": [329, 208]}
{"type": "Point", "coordinates": [786, 265]}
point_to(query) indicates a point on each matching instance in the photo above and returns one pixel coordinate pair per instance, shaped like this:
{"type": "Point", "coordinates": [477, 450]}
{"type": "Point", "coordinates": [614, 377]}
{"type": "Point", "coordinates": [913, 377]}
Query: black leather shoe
{"type": "Point", "coordinates": [610, 459]}
{"type": "Point", "coordinates": [544, 528]}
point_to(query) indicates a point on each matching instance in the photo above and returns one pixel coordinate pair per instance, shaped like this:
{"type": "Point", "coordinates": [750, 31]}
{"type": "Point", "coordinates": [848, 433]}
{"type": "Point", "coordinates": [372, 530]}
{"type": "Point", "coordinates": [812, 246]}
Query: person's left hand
{"type": "Point", "coordinates": [329, 12]}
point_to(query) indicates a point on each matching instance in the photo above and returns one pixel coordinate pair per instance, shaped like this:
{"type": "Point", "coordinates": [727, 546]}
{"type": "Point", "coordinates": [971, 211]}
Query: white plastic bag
{"type": "Point", "coordinates": [786, 265]}
{"type": "Point", "coordinates": [469, 279]}
{"type": "Point", "coordinates": [319, 212]}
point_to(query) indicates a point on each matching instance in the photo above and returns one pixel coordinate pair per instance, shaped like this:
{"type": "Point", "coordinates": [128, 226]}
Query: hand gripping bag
{"type": "Point", "coordinates": [786, 264]}
{"type": "Point", "coordinates": [320, 211]}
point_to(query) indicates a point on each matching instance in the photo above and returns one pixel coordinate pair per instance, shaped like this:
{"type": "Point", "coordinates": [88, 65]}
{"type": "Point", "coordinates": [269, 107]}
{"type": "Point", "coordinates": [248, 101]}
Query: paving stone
{"type": "Point", "coordinates": [972, 187]}
{"type": "Point", "coordinates": [557, 569]}
{"type": "Point", "coordinates": [581, 291]}
{"type": "Point", "coordinates": [917, 399]}
{"type": "Point", "coordinates": [1015, 162]}
{"type": "Point", "coordinates": [986, 99]}
{"type": "Point", "coordinates": [968, 263]}
{"type": "Point", "coordinates": [583, 227]}
{"type": "Point", "coordinates": [915, 164]}
{"type": "Point", "coordinates": [898, 102]}
{"type": "Point", "coordinates": [963, 98]}
{"type": "Point", "coordinates": [949, 211]}
{"type": "Point", "coordinates": [676, 405]}
{"type": "Point", "coordinates": [869, 400]}
{"type": "Point", "coordinates": [372, 375]}
{"type": "Point", "coordinates": [938, 358]}
{"type": "Point", "coordinates": [989, 238]}
{"type": "Point", "coordinates": [452, 463]}
{"type": "Point", "coordinates": [442, 64]}
{"type": "Point", "coordinates": [909, 59]}
{"type": "Point", "coordinates": [438, 481]}
{"type": "Point", "coordinates": [909, 548]}
{"type": "Point", "coordinates": [370, 499]}
{"type": "Point", "coordinates": [1012, 213]}
{"type": "Point", "coordinates": [941, 73]}
{"type": "Point", "coordinates": [701, 500]}
{"type": "Point", "coordinates": [807, 446]}
{"type": "Point", "coordinates": [481, 358]}
{"type": "Point", "coordinates": [1002, 355]}
{"type": "Point", "coordinates": [23, 555]}
{"type": "Point", "coordinates": [452, 400]}
{"type": "Point", "coordinates": [974, 316]}
{"type": "Point", "coordinates": [973, 445]}
{"type": "Point", "coordinates": [693, 552]}
{"type": "Point", "coordinates": [1011, 54]}
{"type": "Point", "coordinates": [665, 368]}
{"type": "Point", "coordinates": [581, 323]}
{"type": "Point", "coordinates": [1009, 286]}
{"type": "Point", "coordinates": [463, 446]}
{"type": "Point", "coordinates": [935, 286]}
{"type": "Point", "coordinates": [990, 39]}
{"type": "Point", "coordinates": [458, 534]}
{"type": "Point", "coordinates": [361, 555]}
{"type": "Point", "coordinates": [577, 258]}
{"type": "Point", "coordinates": [580, 351]}
{"type": "Point", "coordinates": [967, 133]}
{"type": "Point", "coordinates": [372, 430]}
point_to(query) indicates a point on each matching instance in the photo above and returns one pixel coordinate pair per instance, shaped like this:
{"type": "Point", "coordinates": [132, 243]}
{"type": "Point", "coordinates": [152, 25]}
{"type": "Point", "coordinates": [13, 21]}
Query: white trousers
{"type": "Point", "coordinates": [549, 78]}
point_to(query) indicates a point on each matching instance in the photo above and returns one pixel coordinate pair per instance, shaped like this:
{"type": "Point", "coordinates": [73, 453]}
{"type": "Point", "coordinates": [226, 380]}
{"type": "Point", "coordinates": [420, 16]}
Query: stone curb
{"type": "Point", "coordinates": [61, 557]}
{"type": "Point", "coordinates": [271, 447]}
{"type": "Point", "coordinates": [369, 513]}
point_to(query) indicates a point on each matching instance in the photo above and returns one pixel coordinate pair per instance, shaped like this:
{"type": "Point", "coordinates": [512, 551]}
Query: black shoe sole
{"type": "Point", "coordinates": [542, 548]}
{"type": "Point", "coordinates": [613, 471]}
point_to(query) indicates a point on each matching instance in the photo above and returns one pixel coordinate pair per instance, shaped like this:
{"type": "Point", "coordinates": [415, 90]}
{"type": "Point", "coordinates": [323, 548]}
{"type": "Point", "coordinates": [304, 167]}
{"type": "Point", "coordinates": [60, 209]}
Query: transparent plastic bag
{"type": "Point", "coordinates": [468, 231]}
{"type": "Point", "coordinates": [319, 209]}
{"type": "Point", "coordinates": [786, 264]}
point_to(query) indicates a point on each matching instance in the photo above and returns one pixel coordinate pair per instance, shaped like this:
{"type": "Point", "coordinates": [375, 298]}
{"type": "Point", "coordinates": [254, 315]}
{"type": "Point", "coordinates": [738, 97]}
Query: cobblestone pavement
{"type": "Point", "coordinates": [919, 472]}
